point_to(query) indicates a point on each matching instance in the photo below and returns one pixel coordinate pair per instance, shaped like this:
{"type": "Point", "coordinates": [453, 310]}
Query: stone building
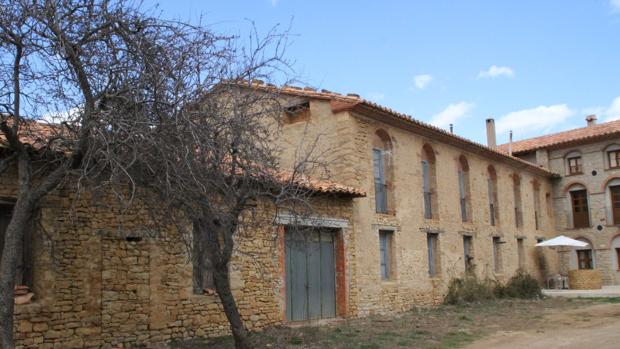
{"type": "Point", "coordinates": [586, 196]}
{"type": "Point", "coordinates": [416, 206]}
{"type": "Point", "coordinates": [437, 203]}
{"type": "Point", "coordinates": [97, 285]}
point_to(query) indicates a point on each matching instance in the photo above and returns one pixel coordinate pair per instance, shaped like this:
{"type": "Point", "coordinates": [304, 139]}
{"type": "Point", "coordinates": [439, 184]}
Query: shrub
{"type": "Point", "coordinates": [522, 285]}
{"type": "Point", "coordinates": [470, 288]}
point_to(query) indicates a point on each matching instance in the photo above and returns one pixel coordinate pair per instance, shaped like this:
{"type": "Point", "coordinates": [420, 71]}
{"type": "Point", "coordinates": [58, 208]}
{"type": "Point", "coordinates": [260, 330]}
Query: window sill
{"type": "Point", "coordinates": [574, 174]}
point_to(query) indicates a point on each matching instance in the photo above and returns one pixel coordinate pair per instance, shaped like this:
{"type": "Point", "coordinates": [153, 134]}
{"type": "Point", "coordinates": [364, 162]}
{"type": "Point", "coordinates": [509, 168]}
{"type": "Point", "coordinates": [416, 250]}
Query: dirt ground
{"type": "Point", "coordinates": [548, 323]}
{"type": "Point", "coordinates": [592, 326]}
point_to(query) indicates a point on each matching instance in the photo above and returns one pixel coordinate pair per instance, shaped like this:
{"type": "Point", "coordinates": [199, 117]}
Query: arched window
{"type": "Point", "coordinates": [612, 198]}
{"type": "Point", "coordinates": [382, 170]}
{"type": "Point", "coordinates": [612, 156]}
{"type": "Point", "coordinates": [492, 192]}
{"type": "Point", "coordinates": [429, 182]}
{"type": "Point", "coordinates": [536, 193]}
{"type": "Point", "coordinates": [516, 192]}
{"type": "Point", "coordinates": [583, 257]}
{"type": "Point", "coordinates": [572, 163]}
{"type": "Point", "coordinates": [579, 206]}
{"type": "Point", "coordinates": [464, 191]}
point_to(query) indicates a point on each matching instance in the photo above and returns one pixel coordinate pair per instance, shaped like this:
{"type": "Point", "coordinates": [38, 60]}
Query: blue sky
{"type": "Point", "coordinates": [535, 66]}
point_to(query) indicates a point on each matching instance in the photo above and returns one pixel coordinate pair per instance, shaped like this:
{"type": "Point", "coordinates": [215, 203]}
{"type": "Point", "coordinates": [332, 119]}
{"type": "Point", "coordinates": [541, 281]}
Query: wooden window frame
{"type": "Point", "coordinates": [577, 168]}
{"type": "Point", "coordinates": [616, 157]}
{"type": "Point", "coordinates": [618, 257]}
{"type": "Point", "coordinates": [615, 211]}
{"type": "Point", "coordinates": [581, 213]}
{"type": "Point", "coordinates": [587, 257]}
{"type": "Point", "coordinates": [380, 180]}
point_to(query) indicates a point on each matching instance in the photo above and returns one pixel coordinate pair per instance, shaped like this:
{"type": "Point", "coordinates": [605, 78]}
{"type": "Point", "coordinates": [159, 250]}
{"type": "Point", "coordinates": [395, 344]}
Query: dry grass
{"type": "Point", "coordinates": [443, 327]}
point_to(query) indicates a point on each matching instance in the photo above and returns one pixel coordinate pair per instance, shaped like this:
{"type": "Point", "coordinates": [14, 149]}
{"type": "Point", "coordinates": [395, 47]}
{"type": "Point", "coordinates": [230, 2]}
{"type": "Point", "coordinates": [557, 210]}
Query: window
{"type": "Point", "coordinates": [574, 165]}
{"type": "Point", "coordinates": [297, 112]}
{"type": "Point", "coordinates": [429, 183]}
{"type": "Point", "coordinates": [521, 253]}
{"type": "Point", "coordinates": [584, 258]}
{"type": "Point", "coordinates": [468, 253]}
{"type": "Point", "coordinates": [202, 270]}
{"type": "Point", "coordinates": [536, 190]}
{"type": "Point", "coordinates": [618, 257]}
{"type": "Point", "coordinates": [581, 213]}
{"type": "Point", "coordinates": [432, 241]}
{"type": "Point", "coordinates": [23, 274]}
{"type": "Point", "coordinates": [378, 158]}
{"type": "Point", "coordinates": [385, 247]}
{"type": "Point", "coordinates": [492, 192]}
{"type": "Point", "coordinates": [497, 254]}
{"type": "Point", "coordinates": [614, 191]}
{"type": "Point", "coordinates": [614, 158]}
{"type": "Point", "coordinates": [516, 186]}
{"type": "Point", "coordinates": [464, 194]}
{"type": "Point", "coordinates": [382, 170]}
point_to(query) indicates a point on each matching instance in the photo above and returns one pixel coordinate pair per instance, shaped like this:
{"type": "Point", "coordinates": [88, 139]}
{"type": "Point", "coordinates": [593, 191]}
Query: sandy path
{"type": "Point", "coordinates": [596, 326]}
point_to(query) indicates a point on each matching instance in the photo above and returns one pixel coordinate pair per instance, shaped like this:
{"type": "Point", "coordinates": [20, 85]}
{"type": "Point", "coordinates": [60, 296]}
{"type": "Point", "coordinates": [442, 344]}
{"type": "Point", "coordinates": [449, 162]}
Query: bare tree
{"type": "Point", "coordinates": [101, 90]}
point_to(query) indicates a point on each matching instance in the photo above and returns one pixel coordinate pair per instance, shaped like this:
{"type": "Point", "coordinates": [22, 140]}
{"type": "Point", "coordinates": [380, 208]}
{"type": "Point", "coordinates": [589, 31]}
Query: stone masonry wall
{"type": "Point", "coordinates": [97, 285]}
{"type": "Point", "coordinates": [411, 284]}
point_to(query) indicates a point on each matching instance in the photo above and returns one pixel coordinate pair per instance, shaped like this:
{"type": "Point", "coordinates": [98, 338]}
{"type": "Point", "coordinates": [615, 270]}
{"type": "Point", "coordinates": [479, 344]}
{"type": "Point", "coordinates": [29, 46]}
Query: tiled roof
{"type": "Point", "coordinates": [38, 135]}
{"type": "Point", "coordinates": [351, 101]}
{"type": "Point", "coordinates": [575, 136]}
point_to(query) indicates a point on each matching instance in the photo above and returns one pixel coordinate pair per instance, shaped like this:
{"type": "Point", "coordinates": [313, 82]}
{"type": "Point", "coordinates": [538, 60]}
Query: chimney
{"type": "Point", "coordinates": [491, 141]}
{"type": "Point", "coordinates": [510, 144]}
{"type": "Point", "coordinates": [591, 120]}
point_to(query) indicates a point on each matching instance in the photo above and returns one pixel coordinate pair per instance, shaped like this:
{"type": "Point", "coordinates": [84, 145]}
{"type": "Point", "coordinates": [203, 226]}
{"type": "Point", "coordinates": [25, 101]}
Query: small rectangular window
{"type": "Point", "coordinates": [521, 253]}
{"type": "Point", "coordinates": [468, 253]}
{"type": "Point", "coordinates": [23, 273]}
{"type": "Point", "coordinates": [618, 257]}
{"type": "Point", "coordinates": [614, 158]}
{"type": "Point", "coordinates": [574, 165]}
{"type": "Point", "coordinates": [432, 240]}
{"type": "Point", "coordinates": [385, 248]}
{"type": "Point", "coordinates": [497, 254]}
{"type": "Point", "coordinates": [584, 258]}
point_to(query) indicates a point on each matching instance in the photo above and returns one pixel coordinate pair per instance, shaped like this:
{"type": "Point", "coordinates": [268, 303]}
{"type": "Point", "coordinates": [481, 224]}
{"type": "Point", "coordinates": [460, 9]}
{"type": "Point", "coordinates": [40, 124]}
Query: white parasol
{"type": "Point", "coordinates": [562, 241]}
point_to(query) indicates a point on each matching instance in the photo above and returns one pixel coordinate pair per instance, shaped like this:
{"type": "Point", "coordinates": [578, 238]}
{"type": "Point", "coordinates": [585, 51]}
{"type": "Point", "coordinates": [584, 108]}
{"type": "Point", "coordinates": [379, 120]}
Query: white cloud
{"type": "Point", "coordinates": [613, 111]}
{"type": "Point", "coordinates": [421, 81]}
{"type": "Point", "coordinates": [274, 3]}
{"type": "Point", "coordinates": [536, 120]}
{"type": "Point", "coordinates": [452, 113]}
{"type": "Point", "coordinates": [615, 5]}
{"type": "Point", "coordinates": [495, 71]}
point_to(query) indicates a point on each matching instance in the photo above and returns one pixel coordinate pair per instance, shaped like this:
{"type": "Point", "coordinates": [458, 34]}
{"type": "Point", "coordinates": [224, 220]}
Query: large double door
{"type": "Point", "coordinates": [310, 274]}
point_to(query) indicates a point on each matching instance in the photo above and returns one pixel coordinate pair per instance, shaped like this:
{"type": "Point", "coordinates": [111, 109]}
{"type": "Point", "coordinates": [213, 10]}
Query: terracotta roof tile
{"type": "Point", "coordinates": [578, 135]}
{"type": "Point", "coordinates": [353, 101]}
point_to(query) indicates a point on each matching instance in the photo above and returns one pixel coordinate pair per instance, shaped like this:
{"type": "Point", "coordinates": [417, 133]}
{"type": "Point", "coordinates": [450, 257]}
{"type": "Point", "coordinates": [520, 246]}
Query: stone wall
{"type": "Point", "coordinates": [102, 279]}
{"type": "Point", "coordinates": [352, 135]}
{"type": "Point", "coordinates": [602, 231]}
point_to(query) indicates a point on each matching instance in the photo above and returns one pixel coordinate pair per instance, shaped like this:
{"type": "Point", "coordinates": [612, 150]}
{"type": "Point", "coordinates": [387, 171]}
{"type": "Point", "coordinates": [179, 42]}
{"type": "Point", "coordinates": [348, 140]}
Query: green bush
{"type": "Point", "coordinates": [522, 285]}
{"type": "Point", "coordinates": [470, 288]}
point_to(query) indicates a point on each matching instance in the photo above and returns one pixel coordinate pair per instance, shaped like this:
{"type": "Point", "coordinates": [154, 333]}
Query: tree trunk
{"type": "Point", "coordinates": [13, 240]}
{"type": "Point", "coordinates": [222, 285]}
